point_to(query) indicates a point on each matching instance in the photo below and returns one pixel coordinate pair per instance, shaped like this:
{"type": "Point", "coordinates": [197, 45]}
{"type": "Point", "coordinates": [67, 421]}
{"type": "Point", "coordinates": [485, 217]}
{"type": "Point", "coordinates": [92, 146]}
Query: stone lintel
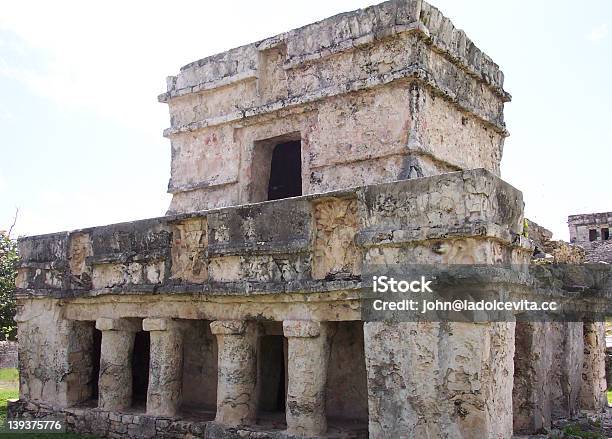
{"type": "Point", "coordinates": [127, 324]}
{"type": "Point", "coordinates": [228, 327]}
{"type": "Point", "coordinates": [301, 328]}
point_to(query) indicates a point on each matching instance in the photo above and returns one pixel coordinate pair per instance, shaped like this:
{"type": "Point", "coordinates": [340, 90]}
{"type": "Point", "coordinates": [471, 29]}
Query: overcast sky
{"type": "Point", "coordinates": [81, 130]}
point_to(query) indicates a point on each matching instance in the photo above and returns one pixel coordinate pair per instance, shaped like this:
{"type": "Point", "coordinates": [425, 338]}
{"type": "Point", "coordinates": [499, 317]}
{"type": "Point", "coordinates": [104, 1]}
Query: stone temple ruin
{"type": "Point", "coordinates": [592, 232]}
{"type": "Point", "coordinates": [371, 137]}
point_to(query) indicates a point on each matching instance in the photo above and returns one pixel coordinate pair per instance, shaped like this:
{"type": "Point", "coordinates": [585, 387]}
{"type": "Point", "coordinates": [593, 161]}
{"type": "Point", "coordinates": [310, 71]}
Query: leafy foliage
{"type": "Point", "coordinates": [8, 272]}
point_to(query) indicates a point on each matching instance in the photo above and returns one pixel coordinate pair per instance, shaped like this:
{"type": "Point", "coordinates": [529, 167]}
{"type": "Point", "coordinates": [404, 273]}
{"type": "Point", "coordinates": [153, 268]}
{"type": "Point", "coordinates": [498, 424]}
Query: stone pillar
{"type": "Point", "coordinates": [308, 357]}
{"type": "Point", "coordinates": [531, 391]}
{"type": "Point", "coordinates": [439, 379]}
{"type": "Point", "coordinates": [115, 382]}
{"type": "Point", "coordinates": [593, 387]}
{"type": "Point", "coordinates": [609, 367]}
{"type": "Point", "coordinates": [166, 366]}
{"type": "Point", "coordinates": [567, 344]}
{"type": "Point", "coordinates": [237, 376]}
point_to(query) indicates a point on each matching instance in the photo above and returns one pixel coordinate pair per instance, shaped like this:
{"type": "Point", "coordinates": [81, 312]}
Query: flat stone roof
{"type": "Point", "coordinates": [590, 219]}
{"type": "Point", "coordinates": [337, 34]}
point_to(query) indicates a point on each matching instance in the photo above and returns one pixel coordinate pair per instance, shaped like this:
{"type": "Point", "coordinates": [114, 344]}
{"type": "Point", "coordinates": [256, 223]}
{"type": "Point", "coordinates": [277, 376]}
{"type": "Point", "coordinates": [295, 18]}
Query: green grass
{"type": "Point", "coordinates": [609, 397]}
{"type": "Point", "coordinates": [9, 375]}
{"type": "Point", "coordinates": [9, 389]}
{"type": "Point", "coordinates": [576, 431]}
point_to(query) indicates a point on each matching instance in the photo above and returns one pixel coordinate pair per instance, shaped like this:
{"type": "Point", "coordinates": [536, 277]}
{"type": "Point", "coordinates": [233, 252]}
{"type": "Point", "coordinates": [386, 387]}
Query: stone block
{"type": "Point", "coordinates": [301, 328]}
{"type": "Point", "coordinates": [228, 327]}
{"type": "Point", "coordinates": [108, 324]}
{"type": "Point", "coordinates": [156, 324]}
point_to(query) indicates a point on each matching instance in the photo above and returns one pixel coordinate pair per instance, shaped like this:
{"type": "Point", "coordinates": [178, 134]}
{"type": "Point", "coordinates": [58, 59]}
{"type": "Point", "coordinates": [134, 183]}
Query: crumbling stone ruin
{"type": "Point", "coordinates": [550, 250]}
{"type": "Point", "coordinates": [371, 137]}
{"type": "Point", "coordinates": [8, 354]}
{"type": "Point", "coordinates": [592, 232]}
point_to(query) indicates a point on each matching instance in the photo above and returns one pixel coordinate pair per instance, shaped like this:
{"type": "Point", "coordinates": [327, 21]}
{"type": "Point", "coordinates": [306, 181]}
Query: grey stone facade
{"type": "Point", "coordinates": [592, 232]}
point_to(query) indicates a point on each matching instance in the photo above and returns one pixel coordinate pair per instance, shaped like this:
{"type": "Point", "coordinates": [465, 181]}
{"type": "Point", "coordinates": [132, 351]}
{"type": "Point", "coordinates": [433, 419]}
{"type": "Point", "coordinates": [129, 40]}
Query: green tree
{"type": "Point", "coordinates": [8, 273]}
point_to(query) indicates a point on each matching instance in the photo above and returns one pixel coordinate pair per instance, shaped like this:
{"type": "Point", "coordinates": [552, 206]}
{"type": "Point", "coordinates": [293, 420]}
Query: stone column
{"type": "Point", "coordinates": [308, 357]}
{"type": "Point", "coordinates": [115, 382]}
{"type": "Point", "coordinates": [532, 364]}
{"type": "Point", "coordinates": [237, 376]}
{"type": "Point", "coordinates": [565, 376]}
{"type": "Point", "coordinates": [593, 387]}
{"type": "Point", "coordinates": [166, 366]}
{"type": "Point", "coordinates": [439, 379]}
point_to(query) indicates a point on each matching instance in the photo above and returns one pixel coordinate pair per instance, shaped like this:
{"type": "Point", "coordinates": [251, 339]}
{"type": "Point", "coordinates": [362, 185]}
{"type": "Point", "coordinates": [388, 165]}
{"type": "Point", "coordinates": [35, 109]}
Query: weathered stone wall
{"type": "Point", "coordinates": [376, 95]}
{"type": "Point", "coordinates": [407, 362]}
{"type": "Point", "coordinates": [105, 424]}
{"type": "Point", "coordinates": [54, 354]}
{"type": "Point", "coordinates": [8, 354]}
{"type": "Point", "coordinates": [228, 251]}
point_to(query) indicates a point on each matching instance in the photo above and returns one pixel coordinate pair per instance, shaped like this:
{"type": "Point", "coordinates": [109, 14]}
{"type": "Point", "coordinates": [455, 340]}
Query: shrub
{"type": "Point", "coordinates": [8, 273]}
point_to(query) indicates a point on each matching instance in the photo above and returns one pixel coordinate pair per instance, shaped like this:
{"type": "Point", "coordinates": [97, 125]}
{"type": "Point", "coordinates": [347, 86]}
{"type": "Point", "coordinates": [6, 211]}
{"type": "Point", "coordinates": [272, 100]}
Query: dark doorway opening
{"type": "Point", "coordinates": [272, 374]}
{"type": "Point", "coordinates": [95, 361]}
{"type": "Point", "coordinates": [605, 234]}
{"type": "Point", "coordinates": [200, 371]}
{"type": "Point", "coordinates": [592, 235]}
{"type": "Point", "coordinates": [347, 388]}
{"type": "Point", "coordinates": [285, 171]}
{"type": "Point", "coordinates": [140, 368]}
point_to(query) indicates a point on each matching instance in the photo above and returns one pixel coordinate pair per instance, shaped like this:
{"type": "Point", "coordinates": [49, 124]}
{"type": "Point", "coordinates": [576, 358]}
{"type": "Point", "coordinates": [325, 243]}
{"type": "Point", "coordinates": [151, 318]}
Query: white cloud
{"type": "Point", "coordinates": [51, 197]}
{"type": "Point", "coordinates": [598, 33]}
{"type": "Point", "coordinates": [5, 114]}
{"type": "Point", "coordinates": [112, 57]}
{"type": "Point", "coordinates": [73, 209]}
